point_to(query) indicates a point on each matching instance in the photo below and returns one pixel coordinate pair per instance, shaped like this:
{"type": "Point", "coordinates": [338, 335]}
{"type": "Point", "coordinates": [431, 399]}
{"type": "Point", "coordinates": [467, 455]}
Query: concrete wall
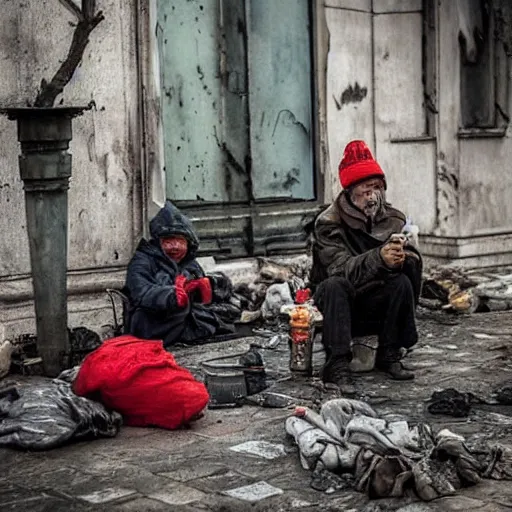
{"type": "Point", "coordinates": [369, 73]}
{"type": "Point", "coordinates": [455, 189]}
{"type": "Point", "coordinates": [375, 93]}
{"type": "Point", "coordinates": [104, 195]}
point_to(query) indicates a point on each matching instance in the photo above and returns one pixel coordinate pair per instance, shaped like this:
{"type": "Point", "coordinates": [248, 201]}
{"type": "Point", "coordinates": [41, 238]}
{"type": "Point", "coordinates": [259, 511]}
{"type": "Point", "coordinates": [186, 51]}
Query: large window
{"type": "Point", "coordinates": [484, 68]}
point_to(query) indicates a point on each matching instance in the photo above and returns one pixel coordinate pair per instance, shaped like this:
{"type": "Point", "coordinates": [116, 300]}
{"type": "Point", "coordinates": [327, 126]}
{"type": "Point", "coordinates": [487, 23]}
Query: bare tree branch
{"type": "Point", "coordinates": [49, 91]}
{"type": "Point", "coordinates": [88, 9]}
{"type": "Point", "coordinates": [72, 8]}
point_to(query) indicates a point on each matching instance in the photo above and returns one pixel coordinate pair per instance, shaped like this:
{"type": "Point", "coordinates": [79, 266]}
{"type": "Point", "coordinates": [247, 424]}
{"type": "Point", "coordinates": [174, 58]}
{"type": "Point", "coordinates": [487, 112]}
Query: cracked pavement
{"type": "Point", "coordinates": [198, 470]}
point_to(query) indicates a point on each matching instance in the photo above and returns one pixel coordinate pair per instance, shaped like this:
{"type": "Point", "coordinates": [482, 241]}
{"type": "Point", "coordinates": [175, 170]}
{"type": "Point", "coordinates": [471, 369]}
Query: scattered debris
{"type": "Point", "coordinates": [270, 400]}
{"type": "Point", "coordinates": [451, 402]}
{"type": "Point", "coordinates": [249, 317]}
{"type": "Point", "coordinates": [462, 291]}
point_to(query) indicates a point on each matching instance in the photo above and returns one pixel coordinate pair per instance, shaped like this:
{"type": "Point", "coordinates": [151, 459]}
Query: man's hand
{"type": "Point", "coordinates": [393, 254]}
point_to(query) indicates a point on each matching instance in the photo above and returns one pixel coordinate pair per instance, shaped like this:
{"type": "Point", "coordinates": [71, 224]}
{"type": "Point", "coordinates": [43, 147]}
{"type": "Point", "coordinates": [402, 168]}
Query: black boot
{"type": "Point", "coordinates": [396, 370]}
{"type": "Point", "coordinates": [336, 371]}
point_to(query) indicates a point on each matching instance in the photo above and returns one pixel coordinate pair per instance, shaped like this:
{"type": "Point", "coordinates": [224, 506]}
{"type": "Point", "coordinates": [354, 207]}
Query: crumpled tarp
{"type": "Point", "coordinates": [45, 415]}
{"type": "Point", "coordinates": [347, 446]}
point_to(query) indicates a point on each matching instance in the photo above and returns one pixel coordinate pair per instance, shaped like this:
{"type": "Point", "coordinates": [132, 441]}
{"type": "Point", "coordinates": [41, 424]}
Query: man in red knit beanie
{"type": "Point", "coordinates": [366, 278]}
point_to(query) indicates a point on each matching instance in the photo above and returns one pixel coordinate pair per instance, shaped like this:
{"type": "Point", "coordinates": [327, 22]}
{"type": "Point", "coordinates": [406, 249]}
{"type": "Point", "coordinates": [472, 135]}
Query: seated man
{"type": "Point", "coordinates": [367, 281]}
{"type": "Point", "coordinates": [167, 288]}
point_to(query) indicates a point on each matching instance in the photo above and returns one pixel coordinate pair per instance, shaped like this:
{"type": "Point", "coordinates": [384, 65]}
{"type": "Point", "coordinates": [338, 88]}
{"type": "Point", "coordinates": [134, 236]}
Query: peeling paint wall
{"type": "Point", "coordinates": [349, 94]}
{"type": "Point", "coordinates": [375, 93]}
{"type": "Point", "coordinates": [400, 116]}
{"type": "Point", "coordinates": [103, 223]}
{"type": "Point", "coordinates": [456, 186]}
{"type": "Point", "coordinates": [486, 186]}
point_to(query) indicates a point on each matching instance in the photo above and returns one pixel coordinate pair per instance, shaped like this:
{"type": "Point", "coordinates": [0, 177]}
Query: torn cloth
{"type": "Point", "coordinates": [384, 458]}
{"type": "Point", "coordinates": [46, 415]}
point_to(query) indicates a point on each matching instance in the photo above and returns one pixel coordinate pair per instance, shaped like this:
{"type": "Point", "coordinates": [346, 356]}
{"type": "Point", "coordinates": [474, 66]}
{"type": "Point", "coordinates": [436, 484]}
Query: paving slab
{"type": "Point", "coordinates": [107, 495]}
{"type": "Point", "coordinates": [178, 495]}
{"type": "Point", "coordinates": [254, 492]}
{"type": "Point", "coordinates": [262, 449]}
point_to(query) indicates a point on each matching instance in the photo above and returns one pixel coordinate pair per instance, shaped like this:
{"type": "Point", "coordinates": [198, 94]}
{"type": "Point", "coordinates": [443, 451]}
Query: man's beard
{"type": "Point", "coordinates": [375, 205]}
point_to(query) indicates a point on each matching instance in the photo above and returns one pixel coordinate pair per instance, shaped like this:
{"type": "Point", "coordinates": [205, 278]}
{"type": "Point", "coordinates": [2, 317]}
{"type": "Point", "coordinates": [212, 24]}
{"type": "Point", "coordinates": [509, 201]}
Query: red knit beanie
{"type": "Point", "coordinates": [358, 165]}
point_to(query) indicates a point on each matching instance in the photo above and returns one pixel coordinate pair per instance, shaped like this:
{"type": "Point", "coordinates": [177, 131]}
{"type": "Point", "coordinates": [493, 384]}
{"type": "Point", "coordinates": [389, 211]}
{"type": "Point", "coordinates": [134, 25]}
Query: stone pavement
{"type": "Point", "coordinates": [240, 459]}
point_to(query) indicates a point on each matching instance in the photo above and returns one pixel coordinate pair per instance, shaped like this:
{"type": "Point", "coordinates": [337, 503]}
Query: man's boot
{"type": "Point", "coordinates": [395, 370]}
{"type": "Point", "coordinates": [336, 371]}
{"type": "Point", "coordinates": [388, 361]}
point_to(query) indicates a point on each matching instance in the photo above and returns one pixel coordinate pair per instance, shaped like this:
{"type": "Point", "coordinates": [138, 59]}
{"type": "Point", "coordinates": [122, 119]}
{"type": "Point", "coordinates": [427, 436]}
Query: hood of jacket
{"type": "Point", "coordinates": [169, 221]}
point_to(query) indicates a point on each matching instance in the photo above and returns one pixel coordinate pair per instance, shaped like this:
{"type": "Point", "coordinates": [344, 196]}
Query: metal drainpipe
{"type": "Point", "coordinates": [45, 168]}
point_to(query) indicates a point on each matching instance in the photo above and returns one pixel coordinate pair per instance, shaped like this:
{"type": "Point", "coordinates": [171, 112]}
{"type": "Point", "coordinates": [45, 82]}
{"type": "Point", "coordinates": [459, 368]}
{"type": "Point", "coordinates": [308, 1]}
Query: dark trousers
{"type": "Point", "coordinates": [386, 309]}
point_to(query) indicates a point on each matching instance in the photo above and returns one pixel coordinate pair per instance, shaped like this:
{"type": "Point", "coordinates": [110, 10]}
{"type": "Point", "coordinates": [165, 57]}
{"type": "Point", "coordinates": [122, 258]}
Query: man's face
{"type": "Point", "coordinates": [175, 247]}
{"type": "Point", "coordinates": [369, 196]}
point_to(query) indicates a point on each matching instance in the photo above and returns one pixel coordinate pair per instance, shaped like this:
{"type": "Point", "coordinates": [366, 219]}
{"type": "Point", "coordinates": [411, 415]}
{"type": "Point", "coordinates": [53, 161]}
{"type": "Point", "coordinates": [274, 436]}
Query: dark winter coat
{"type": "Point", "coordinates": [150, 280]}
{"type": "Point", "coordinates": [346, 243]}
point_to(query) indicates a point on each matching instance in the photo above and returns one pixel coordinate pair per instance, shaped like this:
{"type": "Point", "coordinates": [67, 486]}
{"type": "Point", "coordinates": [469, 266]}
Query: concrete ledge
{"type": "Point", "coordinates": [19, 288]}
{"type": "Point", "coordinates": [482, 250]}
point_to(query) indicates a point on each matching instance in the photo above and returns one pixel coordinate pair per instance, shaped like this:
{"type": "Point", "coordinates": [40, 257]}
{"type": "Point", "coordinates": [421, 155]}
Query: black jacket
{"type": "Point", "coordinates": [150, 280]}
{"type": "Point", "coordinates": [346, 244]}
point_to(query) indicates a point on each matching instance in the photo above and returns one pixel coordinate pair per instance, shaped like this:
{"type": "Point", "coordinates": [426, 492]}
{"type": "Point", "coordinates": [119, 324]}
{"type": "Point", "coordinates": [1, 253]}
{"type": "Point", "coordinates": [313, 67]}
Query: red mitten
{"type": "Point", "coordinates": [202, 287]}
{"type": "Point", "coordinates": [181, 293]}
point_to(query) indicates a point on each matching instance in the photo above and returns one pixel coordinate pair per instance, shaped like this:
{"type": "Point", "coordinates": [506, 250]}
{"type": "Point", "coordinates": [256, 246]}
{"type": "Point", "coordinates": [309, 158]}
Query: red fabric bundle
{"type": "Point", "coordinates": [143, 382]}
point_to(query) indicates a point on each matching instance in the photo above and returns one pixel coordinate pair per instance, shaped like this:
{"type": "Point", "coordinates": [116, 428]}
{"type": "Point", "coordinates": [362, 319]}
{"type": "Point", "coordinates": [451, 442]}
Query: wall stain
{"type": "Point", "coordinates": [291, 179]}
{"type": "Point", "coordinates": [352, 94]}
{"type": "Point", "coordinates": [447, 195]}
{"type": "Point", "coordinates": [288, 118]}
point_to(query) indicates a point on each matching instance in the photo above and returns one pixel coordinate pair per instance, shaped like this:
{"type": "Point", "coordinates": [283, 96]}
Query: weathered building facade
{"type": "Point", "coordinates": [239, 111]}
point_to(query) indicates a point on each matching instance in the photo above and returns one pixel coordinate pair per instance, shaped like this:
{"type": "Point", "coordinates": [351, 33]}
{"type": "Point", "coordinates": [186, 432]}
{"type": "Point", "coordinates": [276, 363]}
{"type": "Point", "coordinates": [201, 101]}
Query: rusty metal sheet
{"type": "Point", "coordinates": [191, 99]}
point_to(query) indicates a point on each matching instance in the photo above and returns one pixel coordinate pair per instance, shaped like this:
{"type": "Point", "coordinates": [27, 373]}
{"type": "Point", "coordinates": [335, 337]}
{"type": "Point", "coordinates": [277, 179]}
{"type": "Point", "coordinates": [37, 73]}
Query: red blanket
{"type": "Point", "coordinates": [143, 382]}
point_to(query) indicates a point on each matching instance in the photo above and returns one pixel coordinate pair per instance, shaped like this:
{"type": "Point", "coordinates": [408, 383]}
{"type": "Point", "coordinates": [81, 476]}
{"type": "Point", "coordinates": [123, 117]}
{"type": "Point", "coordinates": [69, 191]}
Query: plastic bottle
{"type": "Point", "coordinates": [301, 349]}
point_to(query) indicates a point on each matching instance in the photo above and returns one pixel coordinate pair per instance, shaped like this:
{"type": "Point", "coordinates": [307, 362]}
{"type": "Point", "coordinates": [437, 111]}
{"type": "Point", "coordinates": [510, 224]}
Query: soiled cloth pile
{"type": "Point", "coordinates": [143, 382]}
{"type": "Point", "coordinates": [348, 445]}
{"type": "Point", "coordinates": [45, 415]}
{"type": "Point", "coordinates": [274, 288]}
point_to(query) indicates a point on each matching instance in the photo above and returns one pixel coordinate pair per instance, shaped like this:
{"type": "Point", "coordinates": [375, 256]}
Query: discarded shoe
{"type": "Point", "coordinates": [396, 371]}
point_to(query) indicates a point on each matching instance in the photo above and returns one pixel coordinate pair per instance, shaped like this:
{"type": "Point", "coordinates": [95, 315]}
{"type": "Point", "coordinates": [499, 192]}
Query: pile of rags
{"type": "Point", "coordinates": [347, 445]}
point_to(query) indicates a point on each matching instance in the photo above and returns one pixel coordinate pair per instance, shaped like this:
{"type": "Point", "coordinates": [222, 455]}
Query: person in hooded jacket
{"type": "Point", "coordinates": [168, 291]}
{"type": "Point", "coordinates": [367, 280]}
